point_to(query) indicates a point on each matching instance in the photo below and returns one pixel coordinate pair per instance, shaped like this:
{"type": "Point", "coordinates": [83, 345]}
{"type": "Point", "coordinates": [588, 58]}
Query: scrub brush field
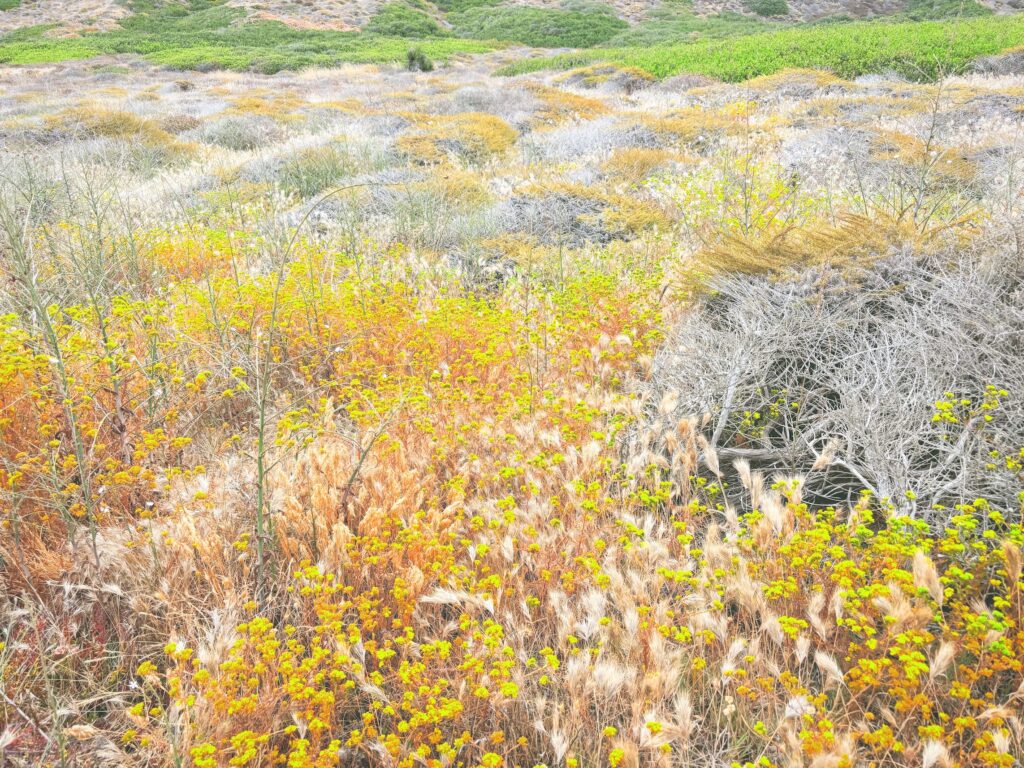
{"type": "Point", "coordinates": [378, 391]}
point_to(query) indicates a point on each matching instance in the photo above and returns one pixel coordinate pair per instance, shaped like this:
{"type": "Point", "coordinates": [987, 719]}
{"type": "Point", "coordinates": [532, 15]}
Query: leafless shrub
{"type": "Point", "coordinates": [178, 123]}
{"type": "Point", "coordinates": [559, 218]}
{"type": "Point", "coordinates": [515, 106]}
{"type": "Point", "coordinates": [825, 155]}
{"type": "Point", "coordinates": [377, 126]}
{"type": "Point", "coordinates": [847, 377]}
{"type": "Point", "coordinates": [385, 192]}
{"type": "Point", "coordinates": [1011, 63]}
{"type": "Point", "coordinates": [593, 138]}
{"type": "Point", "coordinates": [683, 83]}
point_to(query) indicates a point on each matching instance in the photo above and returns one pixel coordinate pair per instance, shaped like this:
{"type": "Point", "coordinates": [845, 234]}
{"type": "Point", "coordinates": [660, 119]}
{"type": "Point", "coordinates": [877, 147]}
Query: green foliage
{"type": "Point", "coordinates": [28, 46]}
{"type": "Point", "coordinates": [921, 50]}
{"type": "Point", "coordinates": [193, 16]}
{"type": "Point", "coordinates": [401, 20]}
{"type": "Point", "coordinates": [539, 27]}
{"type": "Point", "coordinates": [945, 9]}
{"type": "Point", "coordinates": [666, 27]}
{"type": "Point", "coordinates": [417, 61]}
{"type": "Point", "coordinates": [456, 6]}
{"type": "Point", "coordinates": [205, 34]}
{"type": "Point", "coordinates": [314, 170]}
{"type": "Point", "coordinates": [768, 8]}
{"type": "Point", "coordinates": [6, 5]}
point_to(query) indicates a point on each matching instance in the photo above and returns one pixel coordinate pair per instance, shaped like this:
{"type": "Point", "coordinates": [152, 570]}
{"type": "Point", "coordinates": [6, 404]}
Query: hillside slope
{"type": "Point", "coordinates": [67, 14]}
{"type": "Point", "coordinates": [72, 16]}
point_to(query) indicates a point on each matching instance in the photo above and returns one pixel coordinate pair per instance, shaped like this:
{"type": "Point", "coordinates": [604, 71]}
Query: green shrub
{"type": "Point", "coordinates": [539, 27]}
{"type": "Point", "coordinates": [945, 9]}
{"type": "Point", "coordinates": [921, 50]}
{"type": "Point", "coordinates": [6, 5]}
{"type": "Point", "coordinates": [456, 6]}
{"type": "Point", "coordinates": [400, 20]}
{"type": "Point", "coordinates": [664, 27]}
{"type": "Point", "coordinates": [312, 171]}
{"type": "Point", "coordinates": [768, 8]}
{"type": "Point", "coordinates": [417, 61]}
{"type": "Point", "coordinates": [204, 34]}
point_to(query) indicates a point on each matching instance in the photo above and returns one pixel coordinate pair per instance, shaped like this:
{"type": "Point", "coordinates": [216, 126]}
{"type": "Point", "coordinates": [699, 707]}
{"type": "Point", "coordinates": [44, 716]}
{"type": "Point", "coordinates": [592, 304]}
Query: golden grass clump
{"type": "Point", "coordinates": [108, 123]}
{"type": "Point", "coordinates": [279, 106]}
{"type": "Point", "coordinates": [474, 136]}
{"type": "Point", "coordinates": [460, 188]}
{"type": "Point", "coordinates": [116, 124]}
{"type": "Point", "coordinates": [797, 77]}
{"type": "Point", "coordinates": [596, 75]}
{"type": "Point", "coordinates": [558, 106]}
{"type": "Point", "coordinates": [849, 240]}
{"type": "Point", "coordinates": [634, 164]}
{"type": "Point", "coordinates": [522, 250]}
{"type": "Point", "coordinates": [907, 150]}
{"type": "Point", "coordinates": [694, 123]}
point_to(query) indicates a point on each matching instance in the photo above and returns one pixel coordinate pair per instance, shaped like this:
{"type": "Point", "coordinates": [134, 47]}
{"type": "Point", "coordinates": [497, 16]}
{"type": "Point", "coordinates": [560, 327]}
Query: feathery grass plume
{"type": "Point", "coordinates": [926, 576]}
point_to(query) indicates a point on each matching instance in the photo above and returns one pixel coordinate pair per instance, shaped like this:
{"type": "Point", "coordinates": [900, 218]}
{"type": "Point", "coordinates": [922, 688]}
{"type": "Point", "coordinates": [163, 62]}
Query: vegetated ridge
{"type": "Point", "coordinates": [70, 16]}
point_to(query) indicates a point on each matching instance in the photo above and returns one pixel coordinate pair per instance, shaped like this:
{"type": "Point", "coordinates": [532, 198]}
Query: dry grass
{"type": "Point", "coordinates": [472, 136]}
{"type": "Point", "coordinates": [379, 437]}
{"type": "Point", "coordinates": [560, 105]}
{"type": "Point", "coordinates": [636, 163]}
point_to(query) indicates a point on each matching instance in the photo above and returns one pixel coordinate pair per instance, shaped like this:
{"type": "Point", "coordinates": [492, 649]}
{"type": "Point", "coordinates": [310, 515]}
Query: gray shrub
{"type": "Point", "coordinates": [837, 376]}
{"type": "Point", "coordinates": [238, 132]}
